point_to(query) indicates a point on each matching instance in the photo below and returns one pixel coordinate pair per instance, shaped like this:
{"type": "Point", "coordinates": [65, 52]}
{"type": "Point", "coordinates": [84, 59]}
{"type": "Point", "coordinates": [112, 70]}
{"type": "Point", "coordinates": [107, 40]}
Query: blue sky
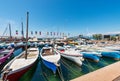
{"type": "Point", "coordinates": [68, 16]}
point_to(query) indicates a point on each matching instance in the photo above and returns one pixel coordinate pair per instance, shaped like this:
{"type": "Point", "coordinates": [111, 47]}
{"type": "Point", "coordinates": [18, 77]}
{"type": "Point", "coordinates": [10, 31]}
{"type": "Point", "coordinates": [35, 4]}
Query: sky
{"type": "Point", "coordinates": [67, 16]}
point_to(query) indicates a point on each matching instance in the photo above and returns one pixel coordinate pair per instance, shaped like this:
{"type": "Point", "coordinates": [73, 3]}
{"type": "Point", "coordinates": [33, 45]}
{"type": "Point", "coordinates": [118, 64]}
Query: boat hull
{"type": "Point", "coordinates": [50, 58]}
{"type": "Point", "coordinates": [91, 57]}
{"type": "Point", "coordinates": [7, 56]}
{"type": "Point", "coordinates": [17, 74]}
{"type": "Point", "coordinates": [76, 59]}
{"type": "Point", "coordinates": [113, 55]}
{"type": "Point", "coordinates": [50, 65]}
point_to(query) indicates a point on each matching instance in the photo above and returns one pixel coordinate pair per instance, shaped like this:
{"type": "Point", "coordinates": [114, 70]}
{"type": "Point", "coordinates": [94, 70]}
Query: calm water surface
{"type": "Point", "coordinates": [69, 70]}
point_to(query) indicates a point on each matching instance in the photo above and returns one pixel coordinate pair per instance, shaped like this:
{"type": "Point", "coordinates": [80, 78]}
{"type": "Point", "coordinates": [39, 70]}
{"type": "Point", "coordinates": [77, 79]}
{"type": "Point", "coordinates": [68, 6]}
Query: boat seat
{"type": "Point", "coordinates": [31, 55]}
{"type": "Point", "coordinates": [46, 54]}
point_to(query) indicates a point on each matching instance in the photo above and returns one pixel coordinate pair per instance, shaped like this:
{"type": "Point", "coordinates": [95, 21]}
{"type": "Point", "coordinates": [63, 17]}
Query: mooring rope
{"type": "Point", "coordinates": [104, 62]}
{"type": "Point", "coordinates": [68, 67]}
{"type": "Point", "coordinates": [60, 73]}
{"type": "Point", "coordinates": [89, 65]}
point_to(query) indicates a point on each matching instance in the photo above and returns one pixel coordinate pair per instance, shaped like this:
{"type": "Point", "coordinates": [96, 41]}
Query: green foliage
{"type": "Point", "coordinates": [97, 36]}
{"type": "Point", "coordinates": [113, 38]}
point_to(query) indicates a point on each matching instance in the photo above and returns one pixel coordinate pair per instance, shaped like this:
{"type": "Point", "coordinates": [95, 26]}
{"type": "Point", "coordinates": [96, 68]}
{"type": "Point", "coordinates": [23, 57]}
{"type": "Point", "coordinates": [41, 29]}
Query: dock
{"type": "Point", "coordinates": [108, 73]}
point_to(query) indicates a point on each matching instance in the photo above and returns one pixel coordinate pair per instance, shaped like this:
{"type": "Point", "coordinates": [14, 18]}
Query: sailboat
{"type": "Point", "coordinates": [17, 67]}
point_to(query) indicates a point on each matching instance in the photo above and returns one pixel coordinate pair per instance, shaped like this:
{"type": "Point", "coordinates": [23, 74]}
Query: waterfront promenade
{"type": "Point", "coordinates": [108, 73]}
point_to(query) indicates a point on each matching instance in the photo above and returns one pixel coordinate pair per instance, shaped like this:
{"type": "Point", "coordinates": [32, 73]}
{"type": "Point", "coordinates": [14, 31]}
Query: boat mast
{"type": "Point", "coordinates": [10, 31]}
{"type": "Point", "coordinates": [22, 30]}
{"type": "Point", "coordinates": [26, 35]}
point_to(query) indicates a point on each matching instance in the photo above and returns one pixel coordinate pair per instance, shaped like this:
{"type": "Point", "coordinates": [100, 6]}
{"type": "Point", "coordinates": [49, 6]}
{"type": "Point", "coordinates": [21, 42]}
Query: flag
{"type": "Point", "coordinates": [47, 33]}
{"type": "Point", "coordinates": [51, 33]}
{"type": "Point", "coordinates": [60, 33]}
{"type": "Point", "coordinates": [31, 32]}
{"type": "Point", "coordinates": [16, 32]}
{"type": "Point", "coordinates": [36, 32]}
{"type": "Point", "coordinates": [54, 33]}
{"type": "Point", "coordinates": [57, 33]}
{"type": "Point", "coordinates": [63, 34]}
{"type": "Point", "coordinates": [40, 32]}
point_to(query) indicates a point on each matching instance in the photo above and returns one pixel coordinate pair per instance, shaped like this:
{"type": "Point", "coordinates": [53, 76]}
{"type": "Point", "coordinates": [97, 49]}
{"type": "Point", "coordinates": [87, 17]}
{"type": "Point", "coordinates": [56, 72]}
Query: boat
{"type": "Point", "coordinates": [71, 54]}
{"type": "Point", "coordinates": [114, 48]}
{"type": "Point", "coordinates": [91, 56]}
{"type": "Point", "coordinates": [104, 52]}
{"type": "Point", "coordinates": [19, 65]}
{"type": "Point", "coordinates": [5, 54]}
{"type": "Point", "coordinates": [19, 45]}
{"type": "Point", "coordinates": [112, 54]}
{"type": "Point", "coordinates": [3, 45]}
{"type": "Point", "coordinates": [50, 58]}
{"type": "Point", "coordinates": [109, 53]}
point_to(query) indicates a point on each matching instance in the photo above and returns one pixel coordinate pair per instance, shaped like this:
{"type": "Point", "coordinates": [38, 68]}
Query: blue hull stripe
{"type": "Point", "coordinates": [91, 56]}
{"type": "Point", "coordinates": [50, 65]}
{"type": "Point", "coordinates": [114, 55]}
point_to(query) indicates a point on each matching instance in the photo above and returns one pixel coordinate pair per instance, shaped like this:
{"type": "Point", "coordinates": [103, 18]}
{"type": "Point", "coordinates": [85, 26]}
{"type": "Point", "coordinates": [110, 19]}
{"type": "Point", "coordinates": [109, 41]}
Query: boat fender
{"type": "Point", "coordinates": [7, 71]}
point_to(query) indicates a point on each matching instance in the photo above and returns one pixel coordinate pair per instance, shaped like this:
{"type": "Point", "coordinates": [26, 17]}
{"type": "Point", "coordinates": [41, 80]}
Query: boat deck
{"type": "Point", "coordinates": [108, 73]}
{"type": "Point", "coordinates": [22, 62]}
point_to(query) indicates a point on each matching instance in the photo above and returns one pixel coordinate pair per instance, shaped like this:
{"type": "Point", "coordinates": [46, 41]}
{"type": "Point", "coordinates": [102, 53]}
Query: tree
{"type": "Point", "coordinates": [97, 36]}
{"type": "Point", "coordinates": [113, 38]}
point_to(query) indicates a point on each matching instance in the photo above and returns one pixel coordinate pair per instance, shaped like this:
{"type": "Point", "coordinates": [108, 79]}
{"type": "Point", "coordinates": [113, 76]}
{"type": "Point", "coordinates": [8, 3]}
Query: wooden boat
{"type": "Point", "coordinates": [19, 65]}
{"type": "Point", "coordinates": [5, 54]}
{"type": "Point", "coordinates": [72, 55]}
{"type": "Point", "coordinates": [50, 58]}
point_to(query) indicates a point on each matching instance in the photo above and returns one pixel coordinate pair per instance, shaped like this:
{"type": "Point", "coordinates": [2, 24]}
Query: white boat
{"type": "Point", "coordinates": [19, 65]}
{"type": "Point", "coordinates": [105, 52]}
{"type": "Point", "coordinates": [72, 55]}
{"type": "Point", "coordinates": [50, 58]}
{"type": "Point", "coordinates": [113, 48]}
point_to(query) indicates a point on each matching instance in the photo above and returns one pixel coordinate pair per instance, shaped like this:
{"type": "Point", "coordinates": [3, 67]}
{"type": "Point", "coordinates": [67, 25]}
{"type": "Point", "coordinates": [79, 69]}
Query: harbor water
{"type": "Point", "coordinates": [69, 70]}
